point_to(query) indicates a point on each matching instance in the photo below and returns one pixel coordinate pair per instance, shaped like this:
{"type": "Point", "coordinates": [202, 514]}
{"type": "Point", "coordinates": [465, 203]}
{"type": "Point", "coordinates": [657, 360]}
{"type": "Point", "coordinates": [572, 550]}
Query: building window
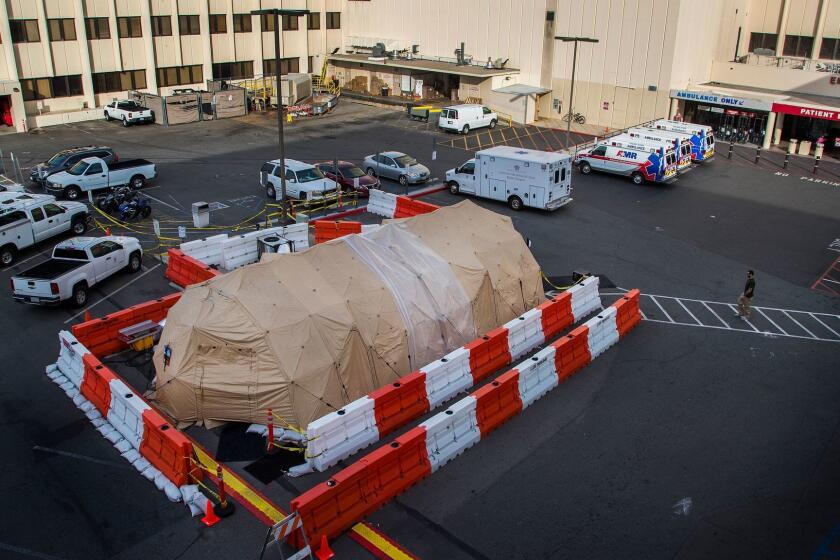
{"type": "Point", "coordinates": [241, 23]}
{"type": "Point", "coordinates": [290, 23]}
{"type": "Point", "coordinates": [798, 45]}
{"type": "Point", "coordinates": [129, 27]}
{"type": "Point", "coordinates": [763, 41]}
{"type": "Point", "coordinates": [218, 23]}
{"type": "Point", "coordinates": [48, 88]}
{"type": "Point", "coordinates": [179, 75]}
{"type": "Point", "coordinates": [62, 29]}
{"type": "Point", "coordinates": [830, 49]}
{"type": "Point", "coordinates": [161, 27]}
{"type": "Point", "coordinates": [267, 22]}
{"type": "Point", "coordinates": [333, 20]}
{"type": "Point", "coordinates": [188, 25]}
{"type": "Point", "coordinates": [310, 61]}
{"type": "Point", "coordinates": [287, 66]}
{"type": "Point", "coordinates": [24, 30]}
{"type": "Point", "coordinates": [233, 70]}
{"type": "Point", "coordinates": [97, 28]}
{"type": "Point", "coordinates": [313, 20]}
{"type": "Point", "coordinates": [104, 82]}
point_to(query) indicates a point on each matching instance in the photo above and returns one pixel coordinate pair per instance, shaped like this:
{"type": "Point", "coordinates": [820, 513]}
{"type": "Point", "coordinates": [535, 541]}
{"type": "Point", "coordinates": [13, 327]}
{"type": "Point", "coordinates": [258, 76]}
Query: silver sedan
{"type": "Point", "coordinates": [396, 165]}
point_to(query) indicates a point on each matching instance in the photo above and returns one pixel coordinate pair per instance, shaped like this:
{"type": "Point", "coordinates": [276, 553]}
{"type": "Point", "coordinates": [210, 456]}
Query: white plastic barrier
{"type": "Point", "coordinates": [207, 250]}
{"type": "Point", "coordinates": [382, 203]}
{"type": "Point", "coordinates": [341, 433]}
{"type": "Point", "coordinates": [126, 412]}
{"type": "Point", "coordinates": [585, 298]}
{"type": "Point", "coordinates": [297, 234]}
{"type": "Point", "coordinates": [537, 376]}
{"type": "Point", "coordinates": [448, 376]}
{"type": "Point", "coordinates": [603, 332]}
{"type": "Point", "coordinates": [450, 432]}
{"type": "Point", "coordinates": [525, 333]}
{"type": "Point", "coordinates": [70, 356]}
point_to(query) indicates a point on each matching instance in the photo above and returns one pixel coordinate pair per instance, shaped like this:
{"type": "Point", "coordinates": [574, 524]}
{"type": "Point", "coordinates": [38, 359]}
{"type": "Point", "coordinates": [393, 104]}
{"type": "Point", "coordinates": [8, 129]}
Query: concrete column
{"type": "Point", "coordinates": [206, 46]}
{"type": "Point", "coordinates": [777, 131]}
{"type": "Point", "coordinates": [780, 41]}
{"type": "Point", "coordinates": [675, 107]}
{"type": "Point", "coordinates": [768, 130]}
{"type": "Point", "coordinates": [115, 34]}
{"type": "Point", "coordinates": [84, 54]}
{"type": "Point", "coordinates": [149, 45]}
{"type": "Point", "coordinates": [176, 34]}
{"type": "Point", "coordinates": [230, 34]}
{"type": "Point", "coordinates": [818, 34]}
{"type": "Point", "coordinates": [256, 34]}
{"type": "Point", "coordinates": [45, 37]}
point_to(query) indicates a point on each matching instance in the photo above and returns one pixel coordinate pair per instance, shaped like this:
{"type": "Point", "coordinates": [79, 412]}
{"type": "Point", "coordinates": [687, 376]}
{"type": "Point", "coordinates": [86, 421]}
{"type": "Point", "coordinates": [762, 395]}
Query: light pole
{"type": "Point", "coordinates": [277, 12]}
{"type": "Point", "coordinates": [574, 40]}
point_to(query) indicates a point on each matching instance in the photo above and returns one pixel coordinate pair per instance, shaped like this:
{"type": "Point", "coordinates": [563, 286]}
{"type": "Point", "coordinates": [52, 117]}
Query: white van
{"type": "Point", "coordinates": [303, 180]}
{"type": "Point", "coordinates": [517, 176]}
{"type": "Point", "coordinates": [680, 140]}
{"type": "Point", "coordinates": [640, 163]}
{"type": "Point", "coordinates": [463, 118]}
{"type": "Point", "coordinates": [702, 137]}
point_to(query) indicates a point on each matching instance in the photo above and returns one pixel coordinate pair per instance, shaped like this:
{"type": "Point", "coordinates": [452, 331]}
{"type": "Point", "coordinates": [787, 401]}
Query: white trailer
{"type": "Point", "coordinates": [518, 176]}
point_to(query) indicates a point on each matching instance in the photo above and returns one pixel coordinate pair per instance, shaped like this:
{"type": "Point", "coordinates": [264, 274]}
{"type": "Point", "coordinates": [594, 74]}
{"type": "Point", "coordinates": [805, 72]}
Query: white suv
{"type": "Point", "coordinates": [303, 180]}
{"type": "Point", "coordinates": [463, 118]}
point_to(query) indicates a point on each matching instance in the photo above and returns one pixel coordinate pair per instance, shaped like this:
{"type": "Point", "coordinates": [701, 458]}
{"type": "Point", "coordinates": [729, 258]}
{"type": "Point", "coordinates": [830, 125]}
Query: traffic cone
{"type": "Point", "coordinates": [87, 315]}
{"type": "Point", "coordinates": [324, 552]}
{"type": "Point", "coordinates": [107, 231]}
{"type": "Point", "coordinates": [210, 518]}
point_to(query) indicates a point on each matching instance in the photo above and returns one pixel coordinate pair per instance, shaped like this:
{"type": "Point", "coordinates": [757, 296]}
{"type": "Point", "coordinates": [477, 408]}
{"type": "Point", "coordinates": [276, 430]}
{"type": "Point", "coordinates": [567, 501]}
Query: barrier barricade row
{"type": "Point", "coordinates": [126, 412]}
{"type": "Point", "coordinates": [353, 493]}
{"type": "Point", "coordinates": [628, 314]}
{"type": "Point", "coordinates": [382, 203]}
{"type": "Point", "coordinates": [100, 335]}
{"type": "Point", "coordinates": [70, 355]}
{"type": "Point", "coordinates": [96, 386]}
{"type": "Point", "coordinates": [407, 207]}
{"type": "Point", "coordinates": [326, 231]}
{"type": "Point", "coordinates": [336, 436]}
{"type": "Point", "coordinates": [184, 270]}
{"type": "Point", "coordinates": [207, 250]}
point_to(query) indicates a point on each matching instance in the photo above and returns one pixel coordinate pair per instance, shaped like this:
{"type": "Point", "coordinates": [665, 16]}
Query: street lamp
{"type": "Point", "coordinates": [574, 40]}
{"type": "Point", "coordinates": [277, 12]}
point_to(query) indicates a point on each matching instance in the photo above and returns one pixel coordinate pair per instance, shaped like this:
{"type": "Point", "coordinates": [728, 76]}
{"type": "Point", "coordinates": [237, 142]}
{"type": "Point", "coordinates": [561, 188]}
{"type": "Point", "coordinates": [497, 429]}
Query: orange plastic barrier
{"type": "Point", "coordinates": [399, 402]}
{"type": "Point", "coordinates": [407, 207]}
{"type": "Point", "coordinates": [326, 231]}
{"type": "Point", "coordinates": [497, 401]}
{"type": "Point", "coordinates": [627, 312]}
{"type": "Point", "coordinates": [184, 270]}
{"type": "Point", "coordinates": [360, 489]}
{"type": "Point", "coordinates": [96, 383]}
{"type": "Point", "coordinates": [572, 352]}
{"type": "Point", "coordinates": [556, 314]}
{"type": "Point", "coordinates": [100, 335]}
{"type": "Point", "coordinates": [488, 353]}
{"type": "Point", "coordinates": [166, 448]}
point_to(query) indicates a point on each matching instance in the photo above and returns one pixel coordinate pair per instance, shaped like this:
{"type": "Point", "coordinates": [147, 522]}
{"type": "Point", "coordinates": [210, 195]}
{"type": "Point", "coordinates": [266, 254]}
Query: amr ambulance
{"type": "Point", "coordinates": [631, 157]}
{"type": "Point", "coordinates": [518, 176]}
{"type": "Point", "coordinates": [679, 140]}
{"type": "Point", "coordinates": [702, 137]}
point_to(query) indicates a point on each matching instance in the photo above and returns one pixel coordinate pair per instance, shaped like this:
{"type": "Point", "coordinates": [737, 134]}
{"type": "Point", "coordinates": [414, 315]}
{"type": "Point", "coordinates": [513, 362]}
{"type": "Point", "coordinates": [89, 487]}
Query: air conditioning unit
{"type": "Point", "coordinates": [273, 244]}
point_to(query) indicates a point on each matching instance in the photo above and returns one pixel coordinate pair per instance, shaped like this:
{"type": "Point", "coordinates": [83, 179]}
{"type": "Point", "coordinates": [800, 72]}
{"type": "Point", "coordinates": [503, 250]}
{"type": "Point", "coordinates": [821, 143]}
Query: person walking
{"type": "Point", "coordinates": [745, 298]}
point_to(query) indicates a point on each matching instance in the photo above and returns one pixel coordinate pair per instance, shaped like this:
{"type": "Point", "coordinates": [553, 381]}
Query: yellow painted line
{"type": "Point", "coordinates": [383, 545]}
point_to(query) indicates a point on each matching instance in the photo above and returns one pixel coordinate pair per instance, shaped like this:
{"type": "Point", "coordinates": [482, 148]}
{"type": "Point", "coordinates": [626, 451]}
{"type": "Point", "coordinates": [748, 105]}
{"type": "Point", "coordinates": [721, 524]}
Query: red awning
{"type": "Point", "coordinates": [800, 111]}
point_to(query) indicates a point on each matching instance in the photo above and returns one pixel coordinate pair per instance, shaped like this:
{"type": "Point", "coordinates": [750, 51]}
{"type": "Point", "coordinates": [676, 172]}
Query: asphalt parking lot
{"type": "Point", "coordinates": [689, 439]}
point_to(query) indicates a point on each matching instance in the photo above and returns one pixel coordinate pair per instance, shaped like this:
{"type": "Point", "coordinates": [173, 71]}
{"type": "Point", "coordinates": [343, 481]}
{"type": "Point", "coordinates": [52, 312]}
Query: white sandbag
{"type": "Point", "coordinates": [123, 445]}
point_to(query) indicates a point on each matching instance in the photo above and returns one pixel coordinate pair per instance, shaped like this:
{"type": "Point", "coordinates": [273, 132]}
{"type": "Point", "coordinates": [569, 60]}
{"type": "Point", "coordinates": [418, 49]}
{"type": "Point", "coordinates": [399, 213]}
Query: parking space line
{"type": "Point", "coordinates": [662, 309]}
{"type": "Point", "coordinates": [817, 319]}
{"type": "Point", "coordinates": [747, 321]}
{"type": "Point", "coordinates": [798, 323]}
{"type": "Point", "coordinates": [689, 312]}
{"type": "Point", "coordinates": [763, 314]}
{"type": "Point", "coordinates": [738, 330]}
{"type": "Point", "coordinates": [165, 203]}
{"type": "Point", "coordinates": [124, 286]}
{"type": "Point", "coordinates": [712, 311]}
{"type": "Point", "coordinates": [80, 457]}
{"type": "Point", "coordinates": [28, 552]}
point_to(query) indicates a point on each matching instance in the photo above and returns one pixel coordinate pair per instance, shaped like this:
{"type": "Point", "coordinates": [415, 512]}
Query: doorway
{"type": "Point", "coordinates": [6, 110]}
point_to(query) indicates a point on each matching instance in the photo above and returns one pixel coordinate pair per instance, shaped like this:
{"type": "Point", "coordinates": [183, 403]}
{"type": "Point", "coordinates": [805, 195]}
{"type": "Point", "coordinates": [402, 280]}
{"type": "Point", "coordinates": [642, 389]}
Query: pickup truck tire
{"type": "Point", "coordinates": [637, 178]}
{"type": "Point", "coordinates": [135, 261]}
{"type": "Point", "coordinates": [79, 226]}
{"type": "Point", "coordinates": [7, 254]}
{"type": "Point", "coordinates": [125, 122]}
{"type": "Point", "coordinates": [72, 192]}
{"type": "Point", "coordinates": [585, 168]}
{"type": "Point", "coordinates": [137, 182]}
{"type": "Point", "coordinates": [515, 203]}
{"type": "Point", "coordinates": [454, 188]}
{"type": "Point", "coordinates": [270, 192]}
{"type": "Point", "coordinates": [80, 295]}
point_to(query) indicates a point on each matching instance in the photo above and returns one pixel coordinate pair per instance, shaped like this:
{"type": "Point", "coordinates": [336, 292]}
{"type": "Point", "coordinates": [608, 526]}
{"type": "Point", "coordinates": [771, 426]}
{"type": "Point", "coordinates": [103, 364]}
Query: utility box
{"type": "Point", "coordinates": [273, 244]}
{"type": "Point", "coordinates": [200, 214]}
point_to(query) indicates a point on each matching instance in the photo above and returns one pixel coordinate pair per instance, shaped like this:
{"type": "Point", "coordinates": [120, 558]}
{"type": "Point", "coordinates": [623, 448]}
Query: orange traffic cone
{"type": "Point", "coordinates": [87, 315]}
{"type": "Point", "coordinates": [210, 518]}
{"type": "Point", "coordinates": [107, 231]}
{"type": "Point", "coordinates": [324, 552]}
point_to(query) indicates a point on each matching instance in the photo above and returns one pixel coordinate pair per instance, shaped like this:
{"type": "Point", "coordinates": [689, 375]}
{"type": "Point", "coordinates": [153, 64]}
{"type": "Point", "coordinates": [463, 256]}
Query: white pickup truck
{"type": "Point", "coordinates": [76, 265]}
{"type": "Point", "coordinates": [129, 112]}
{"type": "Point", "coordinates": [95, 173]}
{"type": "Point", "coordinates": [27, 219]}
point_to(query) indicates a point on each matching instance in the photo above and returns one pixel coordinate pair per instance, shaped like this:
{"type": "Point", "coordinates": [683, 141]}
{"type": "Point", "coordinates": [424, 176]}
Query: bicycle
{"type": "Point", "coordinates": [576, 117]}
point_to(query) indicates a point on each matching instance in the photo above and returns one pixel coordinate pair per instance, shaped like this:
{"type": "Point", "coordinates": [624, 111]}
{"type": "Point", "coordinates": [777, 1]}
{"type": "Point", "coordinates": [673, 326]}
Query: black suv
{"type": "Point", "coordinates": [66, 159]}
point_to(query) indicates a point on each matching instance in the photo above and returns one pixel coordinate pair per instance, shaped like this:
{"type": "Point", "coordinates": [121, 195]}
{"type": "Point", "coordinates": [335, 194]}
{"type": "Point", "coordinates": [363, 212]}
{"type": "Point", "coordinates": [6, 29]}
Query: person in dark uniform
{"type": "Point", "coordinates": [746, 297]}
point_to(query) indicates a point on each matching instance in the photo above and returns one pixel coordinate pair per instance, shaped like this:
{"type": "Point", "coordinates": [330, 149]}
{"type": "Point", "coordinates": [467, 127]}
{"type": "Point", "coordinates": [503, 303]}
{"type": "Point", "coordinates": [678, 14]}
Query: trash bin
{"type": "Point", "coordinates": [805, 148]}
{"type": "Point", "coordinates": [792, 145]}
{"type": "Point", "coordinates": [384, 91]}
{"type": "Point", "coordinates": [200, 214]}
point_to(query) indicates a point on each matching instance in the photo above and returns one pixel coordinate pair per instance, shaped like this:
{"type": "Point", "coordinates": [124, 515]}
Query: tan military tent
{"type": "Point", "coordinates": [305, 333]}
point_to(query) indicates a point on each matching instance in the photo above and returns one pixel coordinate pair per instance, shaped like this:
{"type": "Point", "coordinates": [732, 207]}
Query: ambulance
{"type": "Point", "coordinates": [702, 137]}
{"type": "Point", "coordinates": [623, 155]}
{"type": "Point", "coordinates": [680, 141]}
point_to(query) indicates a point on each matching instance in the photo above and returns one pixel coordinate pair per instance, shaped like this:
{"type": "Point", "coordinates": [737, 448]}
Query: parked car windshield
{"type": "Point", "coordinates": [352, 172]}
{"type": "Point", "coordinates": [57, 159]}
{"type": "Point", "coordinates": [405, 161]}
{"type": "Point", "coordinates": [306, 175]}
{"type": "Point", "coordinates": [78, 169]}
